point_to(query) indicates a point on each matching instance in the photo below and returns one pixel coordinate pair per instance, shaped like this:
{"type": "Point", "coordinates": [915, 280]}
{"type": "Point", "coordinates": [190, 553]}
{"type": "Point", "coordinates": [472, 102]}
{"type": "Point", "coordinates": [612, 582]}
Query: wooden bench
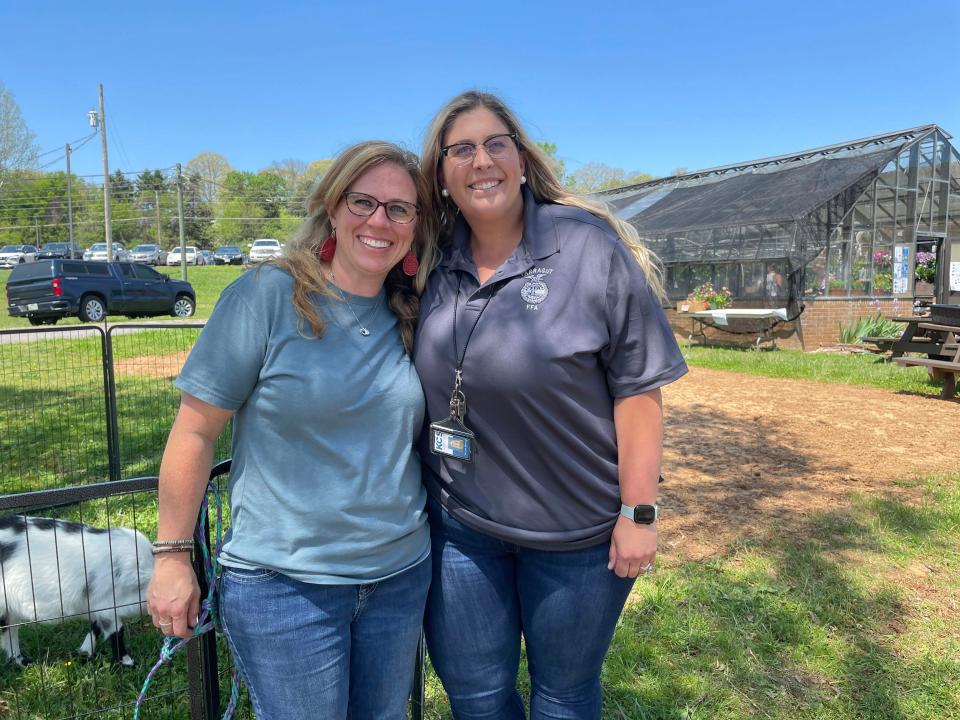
{"type": "Point", "coordinates": [883, 344]}
{"type": "Point", "coordinates": [948, 362]}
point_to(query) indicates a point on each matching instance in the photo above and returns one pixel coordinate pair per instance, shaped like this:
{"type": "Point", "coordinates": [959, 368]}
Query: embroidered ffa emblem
{"type": "Point", "coordinates": [535, 290]}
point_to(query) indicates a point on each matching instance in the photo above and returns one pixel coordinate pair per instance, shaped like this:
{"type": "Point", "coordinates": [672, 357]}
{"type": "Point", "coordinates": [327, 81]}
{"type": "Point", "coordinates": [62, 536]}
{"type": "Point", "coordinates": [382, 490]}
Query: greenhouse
{"type": "Point", "coordinates": [876, 218]}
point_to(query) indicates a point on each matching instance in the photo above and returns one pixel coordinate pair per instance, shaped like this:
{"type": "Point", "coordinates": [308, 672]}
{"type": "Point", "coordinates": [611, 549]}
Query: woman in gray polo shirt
{"type": "Point", "coordinates": [542, 347]}
{"type": "Point", "coordinates": [325, 569]}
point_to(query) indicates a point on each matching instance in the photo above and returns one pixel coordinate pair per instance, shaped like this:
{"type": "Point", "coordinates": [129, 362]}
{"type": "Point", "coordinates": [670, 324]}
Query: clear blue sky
{"type": "Point", "coordinates": [643, 85]}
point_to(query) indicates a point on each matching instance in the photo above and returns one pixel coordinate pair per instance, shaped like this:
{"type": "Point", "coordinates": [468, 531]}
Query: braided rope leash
{"type": "Point", "coordinates": [209, 617]}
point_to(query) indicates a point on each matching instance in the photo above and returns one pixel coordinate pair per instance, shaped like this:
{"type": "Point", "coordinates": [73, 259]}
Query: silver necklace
{"type": "Point", "coordinates": [363, 329]}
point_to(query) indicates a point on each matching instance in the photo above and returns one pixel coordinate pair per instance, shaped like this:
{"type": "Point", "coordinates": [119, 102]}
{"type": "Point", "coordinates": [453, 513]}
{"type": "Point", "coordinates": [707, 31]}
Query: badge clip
{"type": "Point", "coordinates": [450, 437]}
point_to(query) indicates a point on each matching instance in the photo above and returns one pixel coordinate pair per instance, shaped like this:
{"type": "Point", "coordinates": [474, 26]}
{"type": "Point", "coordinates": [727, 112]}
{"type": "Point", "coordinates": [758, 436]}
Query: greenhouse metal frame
{"type": "Point", "coordinates": [846, 221]}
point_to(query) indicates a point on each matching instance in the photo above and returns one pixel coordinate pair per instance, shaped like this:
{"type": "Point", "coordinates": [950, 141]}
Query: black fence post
{"type": "Point", "coordinates": [110, 404]}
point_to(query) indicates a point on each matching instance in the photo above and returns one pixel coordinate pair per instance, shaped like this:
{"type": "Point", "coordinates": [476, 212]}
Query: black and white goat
{"type": "Point", "coordinates": [55, 570]}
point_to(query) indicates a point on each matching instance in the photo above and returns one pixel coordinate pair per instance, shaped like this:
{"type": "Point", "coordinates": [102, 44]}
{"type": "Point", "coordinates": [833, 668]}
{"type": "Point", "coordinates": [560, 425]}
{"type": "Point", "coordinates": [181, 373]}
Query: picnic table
{"type": "Point", "coordinates": [915, 338]}
{"type": "Point", "coordinates": [943, 361]}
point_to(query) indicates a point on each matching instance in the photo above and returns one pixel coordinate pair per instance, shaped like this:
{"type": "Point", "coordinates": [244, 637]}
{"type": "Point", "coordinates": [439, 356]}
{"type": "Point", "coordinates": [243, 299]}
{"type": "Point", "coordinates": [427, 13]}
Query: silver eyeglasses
{"type": "Point", "coordinates": [399, 211]}
{"type": "Point", "coordinates": [497, 146]}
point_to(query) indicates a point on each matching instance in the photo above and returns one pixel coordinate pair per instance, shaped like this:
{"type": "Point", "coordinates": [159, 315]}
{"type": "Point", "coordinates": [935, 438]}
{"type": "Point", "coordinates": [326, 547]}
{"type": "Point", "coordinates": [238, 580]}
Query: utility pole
{"type": "Point", "coordinates": [106, 180]}
{"type": "Point", "coordinates": [156, 202]}
{"type": "Point", "coordinates": [36, 227]}
{"type": "Point", "coordinates": [183, 234]}
{"type": "Point", "coordinates": [69, 202]}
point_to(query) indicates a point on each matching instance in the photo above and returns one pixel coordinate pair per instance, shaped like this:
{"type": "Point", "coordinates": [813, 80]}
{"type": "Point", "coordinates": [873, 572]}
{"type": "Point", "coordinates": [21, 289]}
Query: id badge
{"type": "Point", "coordinates": [453, 439]}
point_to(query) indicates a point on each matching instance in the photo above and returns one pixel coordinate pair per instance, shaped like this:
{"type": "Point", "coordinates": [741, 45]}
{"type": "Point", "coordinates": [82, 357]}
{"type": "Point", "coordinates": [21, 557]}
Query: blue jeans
{"type": "Point", "coordinates": [486, 592]}
{"type": "Point", "coordinates": [324, 651]}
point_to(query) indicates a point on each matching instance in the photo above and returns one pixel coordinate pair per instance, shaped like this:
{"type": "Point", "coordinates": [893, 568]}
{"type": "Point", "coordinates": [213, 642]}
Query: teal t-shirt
{"type": "Point", "coordinates": [325, 482]}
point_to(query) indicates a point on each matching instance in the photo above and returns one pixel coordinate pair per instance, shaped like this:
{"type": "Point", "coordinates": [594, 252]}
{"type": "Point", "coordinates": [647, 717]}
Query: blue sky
{"type": "Point", "coordinates": [646, 86]}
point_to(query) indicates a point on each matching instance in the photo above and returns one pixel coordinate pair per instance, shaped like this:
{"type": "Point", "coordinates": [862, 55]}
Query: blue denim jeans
{"type": "Point", "coordinates": [486, 592]}
{"type": "Point", "coordinates": [324, 651]}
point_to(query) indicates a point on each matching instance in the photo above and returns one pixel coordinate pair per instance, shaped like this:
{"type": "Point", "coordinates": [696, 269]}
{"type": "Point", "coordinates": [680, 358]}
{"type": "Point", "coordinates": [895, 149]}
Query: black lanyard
{"type": "Point", "coordinates": [456, 304]}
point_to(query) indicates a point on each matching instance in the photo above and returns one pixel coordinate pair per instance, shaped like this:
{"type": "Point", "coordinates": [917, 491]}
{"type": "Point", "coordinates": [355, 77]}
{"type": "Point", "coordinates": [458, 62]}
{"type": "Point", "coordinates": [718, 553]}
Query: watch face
{"type": "Point", "coordinates": [644, 514]}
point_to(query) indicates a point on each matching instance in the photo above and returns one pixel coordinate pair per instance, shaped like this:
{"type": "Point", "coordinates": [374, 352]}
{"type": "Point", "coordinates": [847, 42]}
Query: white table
{"type": "Point", "coordinates": [721, 318]}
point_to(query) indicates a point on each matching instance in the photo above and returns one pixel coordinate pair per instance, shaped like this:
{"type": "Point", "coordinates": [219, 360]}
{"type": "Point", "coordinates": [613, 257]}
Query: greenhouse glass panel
{"type": "Point", "coordinates": [888, 176]}
{"type": "Point", "coordinates": [727, 275]}
{"type": "Point", "coordinates": [860, 274]}
{"type": "Point", "coordinates": [753, 276]}
{"type": "Point", "coordinates": [925, 162]}
{"type": "Point", "coordinates": [882, 283]}
{"type": "Point", "coordinates": [886, 202]}
{"type": "Point", "coordinates": [838, 267]}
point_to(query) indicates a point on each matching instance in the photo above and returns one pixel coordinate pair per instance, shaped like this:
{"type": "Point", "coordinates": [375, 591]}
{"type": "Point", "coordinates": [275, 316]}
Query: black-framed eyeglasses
{"type": "Point", "coordinates": [399, 211]}
{"type": "Point", "coordinates": [497, 146]}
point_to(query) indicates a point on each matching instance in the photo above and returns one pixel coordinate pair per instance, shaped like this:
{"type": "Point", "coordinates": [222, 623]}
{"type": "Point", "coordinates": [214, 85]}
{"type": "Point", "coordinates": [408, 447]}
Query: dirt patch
{"type": "Point", "coordinates": [747, 456]}
{"type": "Point", "coordinates": [155, 366]}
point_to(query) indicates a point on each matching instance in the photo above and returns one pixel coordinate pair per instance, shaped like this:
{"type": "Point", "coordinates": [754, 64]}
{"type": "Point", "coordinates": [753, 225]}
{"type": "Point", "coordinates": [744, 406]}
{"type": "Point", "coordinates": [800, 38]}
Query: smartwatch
{"type": "Point", "coordinates": [640, 514]}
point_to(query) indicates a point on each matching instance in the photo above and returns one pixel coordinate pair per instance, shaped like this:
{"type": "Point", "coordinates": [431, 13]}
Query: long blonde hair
{"type": "Point", "coordinates": [301, 257]}
{"type": "Point", "coordinates": [540, 178]}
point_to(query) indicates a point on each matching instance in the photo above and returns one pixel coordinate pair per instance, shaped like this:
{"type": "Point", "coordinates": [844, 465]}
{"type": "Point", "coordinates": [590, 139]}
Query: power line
{"type": "Point", "coordinates": [84, 140]}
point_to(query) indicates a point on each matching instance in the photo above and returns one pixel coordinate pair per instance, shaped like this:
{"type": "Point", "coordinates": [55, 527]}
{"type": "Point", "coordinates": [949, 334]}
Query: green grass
{"type": "Point", "coordinates": [852, 615]}
{"type": "Point", "coordinates": [208, 281]}
{"type": "Point", "coordinates": [838, 368]}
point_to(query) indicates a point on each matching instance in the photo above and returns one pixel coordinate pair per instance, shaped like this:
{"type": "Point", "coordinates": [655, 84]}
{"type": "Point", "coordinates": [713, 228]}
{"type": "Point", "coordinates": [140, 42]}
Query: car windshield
{"type": "Point", "coordinates": [54, 246]}
{"type": "Point", "coordinates": [98, 247]}
{"type": "Point", "coordinates": [266, 243]}
{"type": "Point", "coordinates": [10, 248]}
{"type": "Point", "coordinates": [145, 248]}
{"type": "Point", "coordinates": [229, 249]}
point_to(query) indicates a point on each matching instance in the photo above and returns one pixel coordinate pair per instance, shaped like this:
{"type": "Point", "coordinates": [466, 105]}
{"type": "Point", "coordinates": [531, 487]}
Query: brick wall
{"type": "Point", "coordinates": [819, 325]}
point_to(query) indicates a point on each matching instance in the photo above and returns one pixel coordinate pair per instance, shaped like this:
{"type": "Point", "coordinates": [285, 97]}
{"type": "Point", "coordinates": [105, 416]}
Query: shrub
{"type": "Point", "coordinates": [876, 326]}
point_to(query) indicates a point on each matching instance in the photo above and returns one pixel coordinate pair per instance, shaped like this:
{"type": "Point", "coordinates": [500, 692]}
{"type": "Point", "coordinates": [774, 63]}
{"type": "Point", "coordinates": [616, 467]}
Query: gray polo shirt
{"type": "Point", "coordinates": [325, 482]}
{"type": "Point", "coordinates": [565, 325]}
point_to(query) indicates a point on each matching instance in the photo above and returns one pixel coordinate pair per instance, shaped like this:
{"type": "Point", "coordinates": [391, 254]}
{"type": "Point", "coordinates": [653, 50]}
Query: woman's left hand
{"type": "Point", "coordinates": [633, 548]}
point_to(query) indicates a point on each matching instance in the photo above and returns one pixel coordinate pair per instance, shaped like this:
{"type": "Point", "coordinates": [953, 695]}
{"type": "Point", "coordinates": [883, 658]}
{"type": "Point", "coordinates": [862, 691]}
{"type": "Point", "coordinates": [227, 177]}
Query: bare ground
{"type": "Point", "coordinates": [749, 456]}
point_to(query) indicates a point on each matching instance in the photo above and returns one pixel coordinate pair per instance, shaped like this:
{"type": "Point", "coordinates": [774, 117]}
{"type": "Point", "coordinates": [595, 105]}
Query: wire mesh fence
{"type": "Point", "coordinates": [83, 408]}
{"type": "Point", "coordinates": [53, 411]}
{"type": "Point", "coordinates": [82, 405]}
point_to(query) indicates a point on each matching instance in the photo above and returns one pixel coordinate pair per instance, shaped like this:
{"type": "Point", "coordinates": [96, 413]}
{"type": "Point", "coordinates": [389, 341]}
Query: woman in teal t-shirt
{"type": "Point", "coordinates": [324, 575]}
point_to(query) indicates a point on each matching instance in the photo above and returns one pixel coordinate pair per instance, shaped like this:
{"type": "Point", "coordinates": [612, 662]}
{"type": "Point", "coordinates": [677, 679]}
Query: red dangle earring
{"type": "Point", "coordinates": [410, 264]}
{"type": "Point", "coordinates": [329, 247]}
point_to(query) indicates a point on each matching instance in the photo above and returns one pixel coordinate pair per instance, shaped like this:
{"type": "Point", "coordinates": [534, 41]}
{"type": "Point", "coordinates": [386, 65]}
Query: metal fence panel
{"type": "Point", "coordinates": [52, 408]}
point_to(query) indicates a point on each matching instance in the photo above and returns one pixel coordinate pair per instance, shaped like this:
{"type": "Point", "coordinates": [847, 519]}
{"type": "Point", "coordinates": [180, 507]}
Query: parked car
{"type": "Point", "coordinates": [205, 257]}
{"type": "Point", "coordinates": [53, 250]}
{"type": "Point", "coordinates": [11, 255]}
{"type": "Point", "coordinates": [173, 257]}
{"type": "Point", "coordinates": [98, 252]}
{"type": "Point", "coordinates": [149, 254]}
{"type": "Point", "coordinates": [228, 255]}
{"type": "Point", "coordinates": [44, 292]}
{"type": "Point", "coordinates": [264, 248]}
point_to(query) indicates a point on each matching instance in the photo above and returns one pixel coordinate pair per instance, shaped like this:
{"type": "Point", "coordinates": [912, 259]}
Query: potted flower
{"type": "Point", "coordinates": [836, 286]}
{"type": "Point", "coordinates": [924, 273]}
{"type": "Point", "coordinates": [715, 299]}
{"type": "Point", "coordinates": [882, 282]}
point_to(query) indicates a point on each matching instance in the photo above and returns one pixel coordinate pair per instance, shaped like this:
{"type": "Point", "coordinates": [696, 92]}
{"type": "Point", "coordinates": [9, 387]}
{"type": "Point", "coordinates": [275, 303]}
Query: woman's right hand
{"type": "Point", "coordinates": [173, 597]}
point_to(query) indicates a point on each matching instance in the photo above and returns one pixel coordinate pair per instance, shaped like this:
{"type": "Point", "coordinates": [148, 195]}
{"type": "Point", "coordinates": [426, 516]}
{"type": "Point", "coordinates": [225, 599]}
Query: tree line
{"type": "Point", "coordinates": [221, 205]}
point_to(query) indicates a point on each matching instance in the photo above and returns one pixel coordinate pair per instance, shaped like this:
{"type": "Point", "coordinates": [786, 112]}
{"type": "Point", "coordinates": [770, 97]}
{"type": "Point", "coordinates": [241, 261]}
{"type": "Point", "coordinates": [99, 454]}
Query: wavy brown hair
{"type": "Point", "coordinates": [301, 257]}
{"type": "Point", "coordinates": [541, 180]}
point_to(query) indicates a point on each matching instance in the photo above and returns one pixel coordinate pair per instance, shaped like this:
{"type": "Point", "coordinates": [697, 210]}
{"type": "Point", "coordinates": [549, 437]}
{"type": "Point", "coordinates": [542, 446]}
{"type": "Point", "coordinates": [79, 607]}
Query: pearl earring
{"type": "Point", "coordinates": [523, 179]}
{"type": "Point", "coordinates": [445, 192]}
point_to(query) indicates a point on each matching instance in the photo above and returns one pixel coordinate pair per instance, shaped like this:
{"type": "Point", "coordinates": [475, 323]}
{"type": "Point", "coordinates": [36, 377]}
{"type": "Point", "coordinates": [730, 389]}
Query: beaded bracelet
{"type": "Point", "coordinates": [187, 543]}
